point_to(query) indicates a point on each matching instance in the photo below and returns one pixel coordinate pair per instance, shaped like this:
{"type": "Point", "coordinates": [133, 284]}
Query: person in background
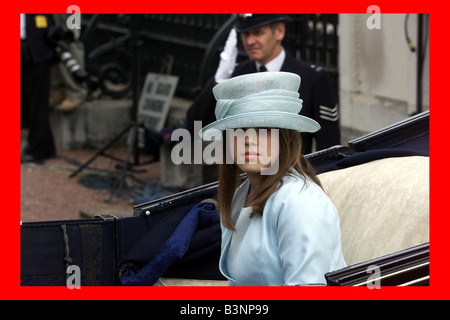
{"type": "Point", "coordinates": [262, 36]}
{"type": "Point", "coordinates": [37, 55]}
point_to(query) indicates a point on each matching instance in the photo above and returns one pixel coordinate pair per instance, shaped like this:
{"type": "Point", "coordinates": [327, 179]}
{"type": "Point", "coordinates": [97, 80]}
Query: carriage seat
{"type": "Point", "coordinates": [383, 206]}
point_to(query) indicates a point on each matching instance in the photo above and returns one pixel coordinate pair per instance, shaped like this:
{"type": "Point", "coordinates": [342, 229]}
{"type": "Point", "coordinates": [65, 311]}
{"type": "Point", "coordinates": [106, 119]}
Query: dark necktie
{"type": "Point", "coordinates": [262, 69]}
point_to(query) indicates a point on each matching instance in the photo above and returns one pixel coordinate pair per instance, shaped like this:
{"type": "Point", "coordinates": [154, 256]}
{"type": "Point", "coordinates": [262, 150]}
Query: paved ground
{"type": "Point", "coordinates": [47, 192]}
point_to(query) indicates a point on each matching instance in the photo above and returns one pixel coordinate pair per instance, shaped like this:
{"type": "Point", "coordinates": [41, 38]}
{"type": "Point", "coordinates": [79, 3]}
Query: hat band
{"type": "Point", "coordinates": [273, 100]}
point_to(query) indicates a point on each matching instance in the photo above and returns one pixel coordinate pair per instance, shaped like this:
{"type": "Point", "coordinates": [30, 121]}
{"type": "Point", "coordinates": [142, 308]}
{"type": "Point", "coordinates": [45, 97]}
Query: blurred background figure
{"type": "Point", "coordinates": [37, 54]}
{"type": "Point", "coordinates": [68, 91]}
{"type": "Point", "coordinates": [262, 36]}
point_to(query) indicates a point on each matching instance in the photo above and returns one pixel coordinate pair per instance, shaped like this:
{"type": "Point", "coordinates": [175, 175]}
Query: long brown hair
{"type": "Point", "coordinates": [290, 158]}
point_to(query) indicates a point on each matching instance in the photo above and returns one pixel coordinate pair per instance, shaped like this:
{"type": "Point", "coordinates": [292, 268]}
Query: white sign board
{"type": "Point", "coordinates": [155, 99]}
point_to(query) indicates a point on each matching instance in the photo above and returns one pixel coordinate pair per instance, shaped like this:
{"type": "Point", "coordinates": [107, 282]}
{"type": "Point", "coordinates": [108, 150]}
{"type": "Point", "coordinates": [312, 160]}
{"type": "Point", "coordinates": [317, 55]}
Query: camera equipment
{"type": "Point", "coordinates": [71, 63]}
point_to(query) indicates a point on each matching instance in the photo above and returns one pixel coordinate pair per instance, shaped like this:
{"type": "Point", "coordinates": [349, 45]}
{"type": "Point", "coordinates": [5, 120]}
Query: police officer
{"type": "Point", "coordinates": [37, 55]}
{"type": "Point", "coordinates": [261, 36]}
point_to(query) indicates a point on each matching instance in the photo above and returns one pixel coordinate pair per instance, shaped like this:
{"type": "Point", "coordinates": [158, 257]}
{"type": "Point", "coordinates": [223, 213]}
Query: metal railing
{"type": "Point", "coordinates": [188, 46]}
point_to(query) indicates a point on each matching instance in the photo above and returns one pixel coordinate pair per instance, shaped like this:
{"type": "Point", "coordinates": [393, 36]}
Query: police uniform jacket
{"type": "Point", "coordinates": [36, 43]}
{"type": "Point", "coordinates": [316, 91]}
{"type": "Point", "coordinates": [295, 241]}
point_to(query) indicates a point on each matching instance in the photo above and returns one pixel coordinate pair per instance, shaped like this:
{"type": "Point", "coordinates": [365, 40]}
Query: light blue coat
{"type": "Point", "coordinates": [295, 242]}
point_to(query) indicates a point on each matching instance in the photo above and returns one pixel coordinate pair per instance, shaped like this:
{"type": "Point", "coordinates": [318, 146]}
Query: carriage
{"type": "Point", "coordinates": [378, 182]}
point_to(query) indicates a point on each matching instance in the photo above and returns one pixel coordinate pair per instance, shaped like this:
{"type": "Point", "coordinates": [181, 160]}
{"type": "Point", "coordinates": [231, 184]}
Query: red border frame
{"type": "Point", "coordinates": [10, 235]}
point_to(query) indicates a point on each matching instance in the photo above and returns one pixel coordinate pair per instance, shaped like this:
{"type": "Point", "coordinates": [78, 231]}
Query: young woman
{"type": "Point", "coordinates": [278, 225]}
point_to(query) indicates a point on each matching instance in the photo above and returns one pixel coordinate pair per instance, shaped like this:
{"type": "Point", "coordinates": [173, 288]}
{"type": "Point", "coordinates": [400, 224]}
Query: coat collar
{"type": "Point", "coordinates": [238, 204]}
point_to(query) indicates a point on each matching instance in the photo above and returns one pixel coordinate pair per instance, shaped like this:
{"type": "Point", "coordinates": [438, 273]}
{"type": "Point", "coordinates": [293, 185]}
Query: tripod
{"type": "Point", "coordinates": [133, 127]}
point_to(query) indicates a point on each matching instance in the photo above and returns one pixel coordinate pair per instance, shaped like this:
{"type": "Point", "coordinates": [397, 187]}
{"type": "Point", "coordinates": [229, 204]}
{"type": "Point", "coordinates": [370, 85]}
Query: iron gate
{"type": "Point", "coordinates": [188, 46]}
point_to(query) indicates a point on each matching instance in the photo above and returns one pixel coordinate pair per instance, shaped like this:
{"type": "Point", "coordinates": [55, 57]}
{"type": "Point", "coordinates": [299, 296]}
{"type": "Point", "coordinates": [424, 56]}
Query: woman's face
{"type": "Point", "coordinates": [255, 150]}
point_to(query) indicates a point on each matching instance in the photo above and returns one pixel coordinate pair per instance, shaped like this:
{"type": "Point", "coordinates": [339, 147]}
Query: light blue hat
{"type": "Point", "coordinates": [259, 100]}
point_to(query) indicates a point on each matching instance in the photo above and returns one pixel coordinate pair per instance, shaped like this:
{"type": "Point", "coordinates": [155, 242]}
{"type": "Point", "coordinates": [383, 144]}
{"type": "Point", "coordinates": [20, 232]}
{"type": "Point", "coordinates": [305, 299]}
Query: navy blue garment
{"type": "Point", "coordinates": [201, 215]}
{"type": "Point", "coordinates": [37, 55]}
{"type": "Point", "coordinates": [153, 139]}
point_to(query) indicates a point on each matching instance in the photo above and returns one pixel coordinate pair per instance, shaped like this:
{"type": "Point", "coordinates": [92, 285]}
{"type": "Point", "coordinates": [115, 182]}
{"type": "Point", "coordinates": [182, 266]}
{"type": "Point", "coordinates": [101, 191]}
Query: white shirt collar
{"type": "Point", "coordinates": [274, 64]}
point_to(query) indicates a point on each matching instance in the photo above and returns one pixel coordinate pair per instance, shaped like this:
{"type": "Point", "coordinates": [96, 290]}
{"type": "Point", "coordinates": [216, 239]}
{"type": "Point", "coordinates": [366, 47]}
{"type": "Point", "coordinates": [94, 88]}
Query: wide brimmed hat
{"type": "Point", "coordinates": [248, 21]}
{"type": "Point", "coordinates": [258, 100]}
